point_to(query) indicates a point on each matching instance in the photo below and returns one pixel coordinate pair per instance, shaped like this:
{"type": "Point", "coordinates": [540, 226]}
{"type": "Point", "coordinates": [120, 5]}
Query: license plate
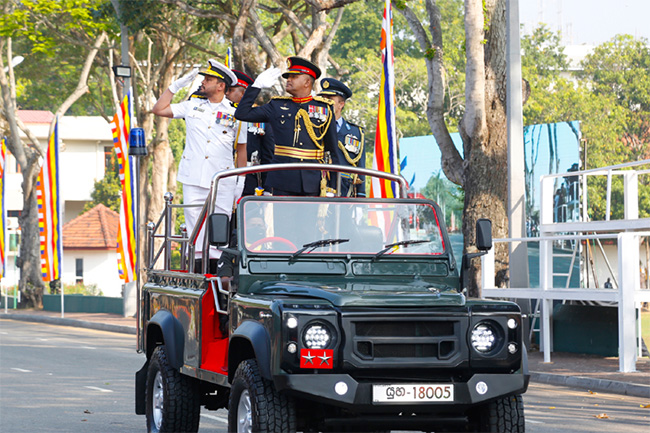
{"type": "Point", "coordinates": [412, 393]}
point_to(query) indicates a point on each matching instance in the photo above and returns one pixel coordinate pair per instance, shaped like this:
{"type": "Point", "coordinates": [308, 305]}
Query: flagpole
{"type": "Point", "coordinates": [59, 228]}
{"type": "Point", "coordinates": [137, 148]}
{"type": "Point", "coordinates": [3, 215]}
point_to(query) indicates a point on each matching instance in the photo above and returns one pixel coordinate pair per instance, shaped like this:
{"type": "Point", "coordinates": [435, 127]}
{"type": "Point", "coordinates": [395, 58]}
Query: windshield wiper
{"type": "Point", "coordinates": [316, 244]}
{"type": "Point", "coordinates": [398, 244]}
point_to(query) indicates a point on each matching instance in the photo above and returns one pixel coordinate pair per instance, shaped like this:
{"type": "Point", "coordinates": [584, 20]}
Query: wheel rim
{"type": "Point", "coordinates": [157, 401]}
{"type": "Point", "coordinates": [244, 413]}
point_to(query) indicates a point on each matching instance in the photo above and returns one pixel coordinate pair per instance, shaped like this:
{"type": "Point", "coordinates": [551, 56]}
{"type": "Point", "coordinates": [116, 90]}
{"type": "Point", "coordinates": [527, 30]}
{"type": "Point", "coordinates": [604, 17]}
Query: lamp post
{"type": "Point", "coordinates": [518, 261]}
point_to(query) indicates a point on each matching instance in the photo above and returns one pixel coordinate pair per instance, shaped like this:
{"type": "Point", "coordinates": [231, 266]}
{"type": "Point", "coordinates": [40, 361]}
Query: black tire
{"type": "Point", "coordinates": [173, 400]}
{"type": "Point", "coordinates": [505, 415]}
{"type": "Point", "coordinates": [255, 406]}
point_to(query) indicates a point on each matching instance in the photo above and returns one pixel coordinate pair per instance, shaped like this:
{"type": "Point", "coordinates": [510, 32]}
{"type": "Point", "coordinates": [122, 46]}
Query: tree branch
{"type": "Point", "coordinates": [200, 13]}
{"type": "Point", "coordinates": [474, 119]}
{"type": "Point", "coordinates": [162, 27]}
{"type": "Point", "coordinates": [452, 162]}
{"type": "Point", "coordinates": [322, 5]}
{"type": "Point", "coordinates": [240, 28]}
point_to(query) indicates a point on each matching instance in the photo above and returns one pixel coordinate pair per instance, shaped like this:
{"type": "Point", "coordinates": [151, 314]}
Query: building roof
{"type": "Point", "coordinates": [95, 229]}
{"type": "Point", "coordinates": [35, 116]}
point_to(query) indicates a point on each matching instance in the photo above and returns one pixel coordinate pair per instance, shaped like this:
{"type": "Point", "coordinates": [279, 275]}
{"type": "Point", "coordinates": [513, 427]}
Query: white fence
{"type": "Point", "coordinates": [627, 232]}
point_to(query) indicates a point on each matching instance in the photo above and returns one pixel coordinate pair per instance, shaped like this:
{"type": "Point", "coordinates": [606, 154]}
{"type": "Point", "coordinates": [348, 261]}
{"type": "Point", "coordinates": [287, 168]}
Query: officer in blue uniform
{"type": "Point", "coordinates": [260, 143]}
{"type": "Point", "coordinates": [303, 127]}
{"type": "Point", "coordinates": [350, 138]}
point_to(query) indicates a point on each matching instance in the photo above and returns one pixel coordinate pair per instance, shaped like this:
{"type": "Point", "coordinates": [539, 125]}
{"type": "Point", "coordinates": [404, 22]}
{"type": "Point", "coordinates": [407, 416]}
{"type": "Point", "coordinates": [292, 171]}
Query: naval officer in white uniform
{"type": "Point", "coordinates": [215, 141]}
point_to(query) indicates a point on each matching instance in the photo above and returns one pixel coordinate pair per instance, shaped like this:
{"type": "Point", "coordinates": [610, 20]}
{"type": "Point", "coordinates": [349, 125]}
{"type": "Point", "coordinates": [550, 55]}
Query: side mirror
{"type": "Point", "coordinates": [218, 229]}
{"type": "Point", "coordinates": [483, 234]}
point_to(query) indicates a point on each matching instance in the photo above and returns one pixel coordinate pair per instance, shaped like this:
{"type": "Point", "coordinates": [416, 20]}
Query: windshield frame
{"type": "Point", "coordinates": [446, 254]}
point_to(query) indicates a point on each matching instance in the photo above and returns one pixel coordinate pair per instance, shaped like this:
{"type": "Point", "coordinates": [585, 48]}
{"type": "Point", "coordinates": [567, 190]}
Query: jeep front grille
{"type": "Point", "coordinates": [413, 340]}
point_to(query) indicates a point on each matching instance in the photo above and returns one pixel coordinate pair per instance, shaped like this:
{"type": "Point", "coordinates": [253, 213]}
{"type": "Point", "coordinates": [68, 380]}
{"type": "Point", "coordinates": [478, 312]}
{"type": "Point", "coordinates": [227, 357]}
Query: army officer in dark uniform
{"type": "Point", "coordinates": [303, 127]}
{"type": "Point", "coordinates": [350, 138]}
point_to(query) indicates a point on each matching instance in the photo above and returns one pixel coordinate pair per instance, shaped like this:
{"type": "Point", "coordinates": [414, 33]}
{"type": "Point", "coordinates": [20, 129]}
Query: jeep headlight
{"type": "Point", "coordinates": [316, 336]}
{"type": "Point", "coordinates": [484, 337]}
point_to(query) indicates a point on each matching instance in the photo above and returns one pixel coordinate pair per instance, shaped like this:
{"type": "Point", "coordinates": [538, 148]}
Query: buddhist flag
{"type": "Point", "coordinates": [3, 211]}
{"type": "Point", "coordinates": [126, 235]}
{"type": "Point", "coordinates": [229, 62]}
{"type": "Point", "coordinates": [49, 211]}
{"type": "Point", "coordinates": [385, 157]}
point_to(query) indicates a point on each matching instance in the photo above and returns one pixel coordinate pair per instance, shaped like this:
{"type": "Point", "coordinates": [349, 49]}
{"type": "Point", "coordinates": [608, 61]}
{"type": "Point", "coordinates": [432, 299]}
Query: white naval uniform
{"type": "Point", "coordinates": [211, 136]}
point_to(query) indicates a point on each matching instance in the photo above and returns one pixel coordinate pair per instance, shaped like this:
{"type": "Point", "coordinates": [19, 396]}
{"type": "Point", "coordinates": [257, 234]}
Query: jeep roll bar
{"type": "Point", "coordinates": [188, 249]}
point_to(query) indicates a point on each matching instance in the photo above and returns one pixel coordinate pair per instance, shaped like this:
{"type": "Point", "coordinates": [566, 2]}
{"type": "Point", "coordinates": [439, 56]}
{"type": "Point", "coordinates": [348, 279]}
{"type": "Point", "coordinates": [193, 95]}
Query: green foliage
{"type": "Point", "coordinates": [356, 49]}
{"type": "Point", "coordinates": [81, 289]}
{"type": "Point", "coordinates": [139, 14]}
{"type": "Point", "coordinates": [107, 190]}
{"type": "Point", "coordinates": [44, 22]}
{"type": "Point", "coordinates": [54, 37]}
{"type": "Point", "coordinates": [610, 98]}
{"type": "Point", "coordinates": [449, 196]}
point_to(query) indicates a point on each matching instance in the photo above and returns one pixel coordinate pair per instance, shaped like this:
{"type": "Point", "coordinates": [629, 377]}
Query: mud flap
{"type": "Point", "coordinates": [141, 390]}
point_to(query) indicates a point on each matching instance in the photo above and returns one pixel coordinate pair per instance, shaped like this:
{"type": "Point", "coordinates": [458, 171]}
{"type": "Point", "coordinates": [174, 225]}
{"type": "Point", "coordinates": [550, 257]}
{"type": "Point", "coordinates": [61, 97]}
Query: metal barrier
{"type": "Point", "coordinates": [627, 232]}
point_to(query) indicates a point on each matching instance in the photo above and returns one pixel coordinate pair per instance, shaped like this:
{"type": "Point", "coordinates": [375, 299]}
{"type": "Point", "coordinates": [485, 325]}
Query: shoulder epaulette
{"type": "Point", "coordinates": [354, 124]}
{"type": "Point", "coordinates": [195, 96]}
{"type": "Point", "coordinates": [325, 100]}
{"type": "Point", "coordinates": [281, 97]}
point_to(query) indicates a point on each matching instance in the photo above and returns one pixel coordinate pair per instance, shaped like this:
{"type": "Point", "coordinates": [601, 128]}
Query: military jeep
{"type": "Point", "coordinates": [344, 314]}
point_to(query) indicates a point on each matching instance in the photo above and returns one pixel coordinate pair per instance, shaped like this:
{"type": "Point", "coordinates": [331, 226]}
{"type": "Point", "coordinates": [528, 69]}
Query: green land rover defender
{"type": "Point", "coordinates": [343, 314]}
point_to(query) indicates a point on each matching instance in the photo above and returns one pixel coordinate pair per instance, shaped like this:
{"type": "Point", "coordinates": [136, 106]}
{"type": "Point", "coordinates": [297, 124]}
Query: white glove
{"type": "Point", "coordinates": [267, 78]}
{"type": "Point", "coordinates": [183, 81]}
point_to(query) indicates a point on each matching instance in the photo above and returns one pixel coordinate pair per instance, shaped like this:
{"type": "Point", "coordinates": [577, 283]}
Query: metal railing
{"type": "Point", "coordinates": [627, 232]}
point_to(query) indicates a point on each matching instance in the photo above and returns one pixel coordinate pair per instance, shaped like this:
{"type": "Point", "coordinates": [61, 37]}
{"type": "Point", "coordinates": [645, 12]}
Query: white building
{"type": "Point", "coordinates": [86, 143]}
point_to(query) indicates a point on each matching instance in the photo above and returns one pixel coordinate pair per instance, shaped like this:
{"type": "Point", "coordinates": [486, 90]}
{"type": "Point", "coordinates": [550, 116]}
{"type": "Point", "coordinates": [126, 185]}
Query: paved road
{"type": "Point", "coordinates": [63, 379]}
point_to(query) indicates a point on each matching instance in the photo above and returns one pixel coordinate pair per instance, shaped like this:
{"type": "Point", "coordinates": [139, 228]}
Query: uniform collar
{"type": "Point", "coordinates": [302, 100]}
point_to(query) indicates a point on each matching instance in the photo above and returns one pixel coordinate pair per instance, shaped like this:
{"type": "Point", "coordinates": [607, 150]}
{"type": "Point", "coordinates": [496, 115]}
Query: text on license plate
{"type": "Point", "coordinates": [412, 393]}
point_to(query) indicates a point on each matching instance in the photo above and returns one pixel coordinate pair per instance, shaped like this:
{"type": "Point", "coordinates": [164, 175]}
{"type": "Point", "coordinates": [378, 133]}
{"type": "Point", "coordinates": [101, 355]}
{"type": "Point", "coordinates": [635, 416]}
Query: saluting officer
{"type": "Point", "coordinates": [350, 138]}
{"type": "Point", "coordinates": [212, 133]}
{"type": "Point", "coordinates": [260, 138]}
{"type": "Point", "coordinates": [303, 126]}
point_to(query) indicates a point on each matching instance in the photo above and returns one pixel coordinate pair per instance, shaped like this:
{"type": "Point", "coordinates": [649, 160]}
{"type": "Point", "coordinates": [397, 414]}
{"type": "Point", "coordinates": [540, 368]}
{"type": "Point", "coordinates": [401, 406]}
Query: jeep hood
{"type": "Point", "coordinates": [366, 294]}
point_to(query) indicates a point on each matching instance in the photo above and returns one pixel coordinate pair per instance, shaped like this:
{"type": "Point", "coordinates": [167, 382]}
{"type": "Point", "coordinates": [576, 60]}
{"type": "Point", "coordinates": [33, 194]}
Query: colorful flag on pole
{"type": "Point", "coordinates": [229, 62]}
{"type": "Point", "coordinates": [3, 211]}
{"type": "Point", "coordinates": [385, 157]}
{"type": "Point", "coordinates": [126, 235]}
{"type": "Point", "coordinates": [49, 211]}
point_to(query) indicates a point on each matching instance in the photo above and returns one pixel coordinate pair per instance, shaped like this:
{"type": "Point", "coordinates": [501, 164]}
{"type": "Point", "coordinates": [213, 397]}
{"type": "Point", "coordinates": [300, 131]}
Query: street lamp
{"type": "Point", "coordinates": [122, 71]}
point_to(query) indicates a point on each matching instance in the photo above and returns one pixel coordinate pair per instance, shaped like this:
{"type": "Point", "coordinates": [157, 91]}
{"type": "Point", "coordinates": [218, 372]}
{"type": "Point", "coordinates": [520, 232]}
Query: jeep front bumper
{"type": "Point", "coordinates": [327, 389]}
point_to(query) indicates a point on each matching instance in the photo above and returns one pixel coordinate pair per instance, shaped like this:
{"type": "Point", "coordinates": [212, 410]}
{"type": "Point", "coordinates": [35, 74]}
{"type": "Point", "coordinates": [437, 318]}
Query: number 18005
{"type": "Point", "coordinates": [412, 393]}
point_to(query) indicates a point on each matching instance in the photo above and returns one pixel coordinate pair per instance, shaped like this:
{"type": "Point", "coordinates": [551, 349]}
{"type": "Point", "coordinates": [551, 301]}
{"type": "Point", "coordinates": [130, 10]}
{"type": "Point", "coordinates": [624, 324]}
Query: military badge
{"type": "Point", "coordinates": [225, 119]}
{"type": "Point", "coordinates": [352, 143]}
{"type": "Point", "coordinates": [316, 112]}
{"type": "Point", "coordinates": [256, 128]}
{"type": "Point", "coordinates": [325, 84]}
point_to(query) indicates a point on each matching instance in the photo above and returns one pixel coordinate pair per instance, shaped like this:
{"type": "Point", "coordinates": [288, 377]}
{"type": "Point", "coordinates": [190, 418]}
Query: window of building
{"type": "Point", "coordinates": [108, 156]}
{"type": "Point", "coordinates": [79, 271]}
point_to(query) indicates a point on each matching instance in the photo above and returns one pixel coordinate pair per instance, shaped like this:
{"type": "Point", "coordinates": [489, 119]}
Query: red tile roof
{"type": "Point", "coordinates": [35, 116]}
{"type": "Point", "coordinates": [95, 229]}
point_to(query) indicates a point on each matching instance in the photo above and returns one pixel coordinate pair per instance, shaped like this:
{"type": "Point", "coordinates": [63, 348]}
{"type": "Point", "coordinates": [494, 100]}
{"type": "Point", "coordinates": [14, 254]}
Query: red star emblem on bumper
{"type": "Point", "coordinates": [316, 358]}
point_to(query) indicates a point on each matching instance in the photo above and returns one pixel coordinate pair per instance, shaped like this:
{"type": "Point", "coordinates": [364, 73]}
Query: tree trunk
{"type": "Point", "coordinates": [485, 135]}
{"type": "Point", "coordinates": [31, 281]}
